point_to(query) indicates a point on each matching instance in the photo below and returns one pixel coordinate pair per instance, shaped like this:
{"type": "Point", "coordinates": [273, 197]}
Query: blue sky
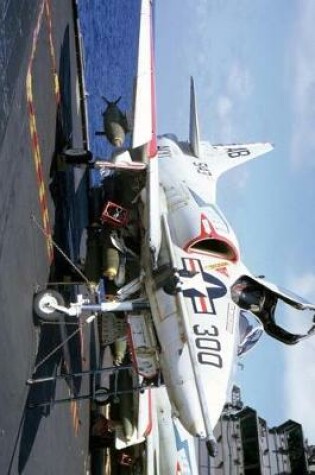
{"type": "Point", "coordinates": [254, 67]}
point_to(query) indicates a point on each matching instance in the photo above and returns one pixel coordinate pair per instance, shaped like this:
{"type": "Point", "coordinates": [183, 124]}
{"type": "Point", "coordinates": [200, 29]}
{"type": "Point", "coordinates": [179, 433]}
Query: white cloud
{"type": "Point", "coordinates": [239, 82]}
{"type": "Point", "coordinates": [224, 107]}
{"type": "Point", "coordinates": [300, 386]}
{"type": "Point", "coordinates": [237, 87]}
{"type": "Point", "coordinates": [299, 361]}
{"type": "Point", "coordinates": [304, 285]}
{"type": "Point", "coordinates": [303, 47]}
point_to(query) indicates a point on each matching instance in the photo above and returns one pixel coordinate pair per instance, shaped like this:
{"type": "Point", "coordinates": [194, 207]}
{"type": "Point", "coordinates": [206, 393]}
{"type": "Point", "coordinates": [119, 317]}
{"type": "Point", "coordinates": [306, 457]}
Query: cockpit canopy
{"type": "Point", "coordinates": [250, 331]}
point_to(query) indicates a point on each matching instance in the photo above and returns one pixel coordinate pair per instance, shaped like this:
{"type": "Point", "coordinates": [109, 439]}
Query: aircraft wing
{"type": "Point", "coordinates": [144, 109]}
{"type": "Point", "coordinates": [144, 137]}
{"type": "Point", "coordinates": [221, 158]}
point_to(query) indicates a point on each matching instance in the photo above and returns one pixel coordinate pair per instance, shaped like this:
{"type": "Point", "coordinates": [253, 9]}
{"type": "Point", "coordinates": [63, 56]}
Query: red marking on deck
{"type": "Point", "coordinates": [45, 12]}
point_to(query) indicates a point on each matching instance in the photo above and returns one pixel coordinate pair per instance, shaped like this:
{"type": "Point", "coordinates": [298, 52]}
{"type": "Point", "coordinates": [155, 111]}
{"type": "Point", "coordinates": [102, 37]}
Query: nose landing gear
{"type": "Point", "coordinates": [45, 305]}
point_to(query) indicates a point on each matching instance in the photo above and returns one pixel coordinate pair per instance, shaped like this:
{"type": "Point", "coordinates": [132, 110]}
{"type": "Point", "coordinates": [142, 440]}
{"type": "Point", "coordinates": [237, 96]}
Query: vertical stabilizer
{"type": "Point", "coordinates": [194, 139]}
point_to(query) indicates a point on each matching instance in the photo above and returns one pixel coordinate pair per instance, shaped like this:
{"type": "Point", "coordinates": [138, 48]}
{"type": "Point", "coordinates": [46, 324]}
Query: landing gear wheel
{"type": "Point", "coordinates": [101, 396]}
{"type": "Point", "coordinates": [77, 156]}
{"type": "Point", "coordinates": [43, 305]}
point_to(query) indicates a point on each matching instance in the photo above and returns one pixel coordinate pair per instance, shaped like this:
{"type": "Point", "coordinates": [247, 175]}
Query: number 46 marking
{"type": "Point", "coordinates": [238, 152]}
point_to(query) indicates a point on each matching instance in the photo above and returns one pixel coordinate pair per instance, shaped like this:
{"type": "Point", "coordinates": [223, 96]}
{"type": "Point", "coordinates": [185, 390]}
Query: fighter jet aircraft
{"type": "Point", "coordinates": [192, 273]}
{"type": "Point", "coordinates": [186, 293]}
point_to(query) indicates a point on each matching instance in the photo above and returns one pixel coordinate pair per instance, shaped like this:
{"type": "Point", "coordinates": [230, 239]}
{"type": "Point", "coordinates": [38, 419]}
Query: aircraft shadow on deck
{"type": "Point", "coordinates": [42, 396]}
{"type": "Point", "coordinates": [67, 201]}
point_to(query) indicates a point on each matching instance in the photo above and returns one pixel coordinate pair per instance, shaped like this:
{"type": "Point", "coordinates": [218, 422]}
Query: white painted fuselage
{"type": "Point", "coordinates": [195, 318]}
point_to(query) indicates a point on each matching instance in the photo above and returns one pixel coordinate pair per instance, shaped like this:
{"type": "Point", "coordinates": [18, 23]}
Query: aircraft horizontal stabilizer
{"type": "Point", "coordinates": [221, 158]}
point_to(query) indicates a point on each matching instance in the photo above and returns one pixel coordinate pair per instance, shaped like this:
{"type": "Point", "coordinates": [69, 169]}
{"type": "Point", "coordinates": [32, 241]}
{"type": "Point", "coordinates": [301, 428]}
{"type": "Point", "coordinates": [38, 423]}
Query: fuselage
{"type": "Point", "coordinates": [196, 322]}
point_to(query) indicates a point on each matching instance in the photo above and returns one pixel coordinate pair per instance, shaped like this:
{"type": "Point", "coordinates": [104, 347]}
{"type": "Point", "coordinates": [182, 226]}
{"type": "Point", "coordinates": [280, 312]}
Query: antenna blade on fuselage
{"type": "Point", "coordinates": [194, 137]}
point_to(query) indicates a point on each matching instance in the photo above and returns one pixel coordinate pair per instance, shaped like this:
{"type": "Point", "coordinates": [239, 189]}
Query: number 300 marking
{"type": "Point", "coordinates": [208, 346]}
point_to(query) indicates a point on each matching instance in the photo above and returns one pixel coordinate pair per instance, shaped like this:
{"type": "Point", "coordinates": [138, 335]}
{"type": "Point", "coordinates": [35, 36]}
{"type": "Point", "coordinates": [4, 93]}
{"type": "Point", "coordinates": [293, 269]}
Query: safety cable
{"type": "Point", "coordinates": [51, 353]}
{"type": "Point", "coordinates": [48, 236]}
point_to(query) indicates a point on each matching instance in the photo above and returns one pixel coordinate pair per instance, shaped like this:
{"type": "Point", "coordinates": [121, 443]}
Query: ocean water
{"type": "Point", "coordinates": [110, 30]}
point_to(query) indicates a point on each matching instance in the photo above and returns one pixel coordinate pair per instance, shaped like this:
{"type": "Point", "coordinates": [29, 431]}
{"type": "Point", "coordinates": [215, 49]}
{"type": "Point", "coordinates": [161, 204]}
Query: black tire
{"type": "Point", "coordinates": [41, 305]}
{"type": "Point", "coordinates": [101, 396]}
{"type": "Point", "coordinates": [77, 156]}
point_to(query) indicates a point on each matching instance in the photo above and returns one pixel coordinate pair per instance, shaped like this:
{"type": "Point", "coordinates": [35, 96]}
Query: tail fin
{"type": "Point", "coordinates": [111, 103]}
{"type": "Point", "coordinates": [194, 138]}
{"type": "Point", "coordinates": [221, 158]}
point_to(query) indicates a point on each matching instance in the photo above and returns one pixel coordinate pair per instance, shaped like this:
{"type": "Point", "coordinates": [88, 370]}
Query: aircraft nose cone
{"type": "Point", "coordinates": [185, 400]}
